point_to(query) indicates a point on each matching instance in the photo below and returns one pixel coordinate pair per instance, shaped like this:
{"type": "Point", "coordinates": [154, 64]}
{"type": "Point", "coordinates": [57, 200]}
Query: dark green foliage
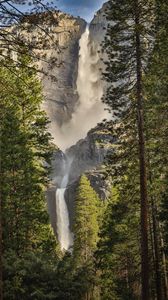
{"type": "Point", "coordinates": [120, 47]}
{"type": "Point", "coordinates": [118, 257]}
{"type": "Point", "coordinates": [164, 213]}
{"type": "Point", "coordinates": [29, 244]}
{"type": "Point", "coordinates": [31, 276]}
{"type": "Point", "coordinates": [122, 94]}
{"type": "Point", "coordinates": [86, 227]}
{"type": "Point", "coordinates": [25, 150]}
{"type": "Point", "coordinates": [86, 221]}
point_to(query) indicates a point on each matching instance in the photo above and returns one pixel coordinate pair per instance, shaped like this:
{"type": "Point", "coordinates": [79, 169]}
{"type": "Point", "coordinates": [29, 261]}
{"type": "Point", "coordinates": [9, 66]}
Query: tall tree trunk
{"type": "Point", "coordinates": [142, 161]}
{"type": "Point", "coordinates": [156, 243]}
{"type": "Point", "coordinates": [156, 248]}
{"type": "Point", "coordinates": [151, 243]}
{"type": "Point", "coordinates": [164, 264]}
{"type": "Point", "coordinates": [1, 280]}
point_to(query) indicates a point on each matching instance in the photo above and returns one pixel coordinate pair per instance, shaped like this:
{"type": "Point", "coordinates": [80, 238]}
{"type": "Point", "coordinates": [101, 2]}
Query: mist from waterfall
{"type": "Point", "coordinates": [90, 109]}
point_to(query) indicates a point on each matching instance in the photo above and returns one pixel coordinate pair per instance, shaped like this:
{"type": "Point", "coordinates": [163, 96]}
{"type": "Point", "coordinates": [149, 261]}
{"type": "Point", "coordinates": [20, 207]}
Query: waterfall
{"type": "Point", "coordinates": [89, 85]}
{"type": "Point", "coordinates": [65, 236]}
{"type": "Point", "coordinates": [90, 109]}
{"type": "Point", "coordinates": [88, 112]}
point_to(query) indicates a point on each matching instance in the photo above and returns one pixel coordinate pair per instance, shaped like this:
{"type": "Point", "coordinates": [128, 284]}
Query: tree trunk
{"type": "Point", "coordinates": [1, 282]}
{"type": "Point", "coordinates": [142, 161]}
{"type": "Point", "coordinates": [156, 248]}
{"type": "Point", "coordinates": [151, 241]}
{"type": "Point", "coordinates": [164, 264]}
{"type": "Point", "coordinates": [156, 244]}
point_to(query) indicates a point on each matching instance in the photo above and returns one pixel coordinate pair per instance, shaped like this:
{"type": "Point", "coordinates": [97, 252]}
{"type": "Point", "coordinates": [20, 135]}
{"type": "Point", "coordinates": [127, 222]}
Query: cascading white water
{"type": "Point", "coordinates": [88, 113]}
{"type": "Point", "coordinates": [65, 236]}
{"type": "Point", "coordinates": [90, 109]}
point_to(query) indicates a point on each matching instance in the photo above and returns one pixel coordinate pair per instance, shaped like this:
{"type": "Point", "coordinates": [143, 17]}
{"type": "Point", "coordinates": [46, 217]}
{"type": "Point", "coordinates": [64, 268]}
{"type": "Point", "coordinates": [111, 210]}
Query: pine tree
{"type": "Point", "coordinates": [25, 155]}
{"type": "Point", "coordinates": [86, 227]}
{"type": "Point", "coordinates": [156, 122]}
{"type": "Point", "coordinates": [154, 85]}
{"type": "Point", "coordinates": [86, 221]}
{"type": "Point", "coordinates": [24, 152]}
{"type": "Point", "coordinates": [128, 45]}
{"type": "Point", "coordinates": [117, 257]}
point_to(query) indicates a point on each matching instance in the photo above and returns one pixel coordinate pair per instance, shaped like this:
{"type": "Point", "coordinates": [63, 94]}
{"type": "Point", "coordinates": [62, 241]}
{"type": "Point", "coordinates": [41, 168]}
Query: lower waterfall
{"type": "Point", "coordinates": [65, 236]}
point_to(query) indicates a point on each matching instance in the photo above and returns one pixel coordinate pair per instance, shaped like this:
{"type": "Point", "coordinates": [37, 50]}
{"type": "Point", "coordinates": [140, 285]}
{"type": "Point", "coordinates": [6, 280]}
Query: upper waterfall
{"type": "Point", "coordinates": [89, 110]}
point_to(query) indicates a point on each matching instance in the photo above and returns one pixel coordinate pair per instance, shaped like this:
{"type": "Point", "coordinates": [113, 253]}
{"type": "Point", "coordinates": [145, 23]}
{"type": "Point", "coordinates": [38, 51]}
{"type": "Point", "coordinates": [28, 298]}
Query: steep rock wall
{"type": "Point", "coordinates": [59, 85]}
{"type": "Point", "coordinates": [98, 25]}
{"type": "Point", "coordinates": [53, 43]}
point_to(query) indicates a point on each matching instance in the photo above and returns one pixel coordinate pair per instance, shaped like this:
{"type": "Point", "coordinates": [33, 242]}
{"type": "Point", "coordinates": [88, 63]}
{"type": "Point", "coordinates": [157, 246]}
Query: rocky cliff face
{"type": "Point", "coordinates": [59, 83]}
{"type": "Point", "coordinates": [88, 157]}
{"type": "Point", "coordinates": [53, 42]}
{"type": "Point", "coordinates": [98, 25]}
{"type": "Point", "coordinates": [97, 34]}
{"type": "Point", "coordinates": [90, 152]}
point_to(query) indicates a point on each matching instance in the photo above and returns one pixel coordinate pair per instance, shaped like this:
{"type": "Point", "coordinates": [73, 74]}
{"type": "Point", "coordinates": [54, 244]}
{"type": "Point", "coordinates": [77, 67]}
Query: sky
{"type": "Point", "coordinates": [83, 8]}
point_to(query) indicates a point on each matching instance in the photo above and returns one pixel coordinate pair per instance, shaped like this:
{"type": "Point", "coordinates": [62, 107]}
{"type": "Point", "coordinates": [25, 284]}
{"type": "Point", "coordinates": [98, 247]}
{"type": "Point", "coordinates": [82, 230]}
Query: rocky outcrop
{"type": "Point", "coordinates": [59, 85]}
{"type": "Point", "coordinates": [98, 28]}
{"type": "Point", "coordinates": [98, 25]}
{"type": "Point", "coordinates": [90, 152]}
{"type": "Point", "coordinates": [53, 42]}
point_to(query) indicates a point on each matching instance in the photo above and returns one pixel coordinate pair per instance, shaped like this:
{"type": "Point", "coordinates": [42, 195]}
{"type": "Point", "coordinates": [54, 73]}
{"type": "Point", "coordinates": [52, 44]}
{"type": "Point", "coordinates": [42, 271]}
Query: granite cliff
{"type": "Point", "coordinates": [52, 40]}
